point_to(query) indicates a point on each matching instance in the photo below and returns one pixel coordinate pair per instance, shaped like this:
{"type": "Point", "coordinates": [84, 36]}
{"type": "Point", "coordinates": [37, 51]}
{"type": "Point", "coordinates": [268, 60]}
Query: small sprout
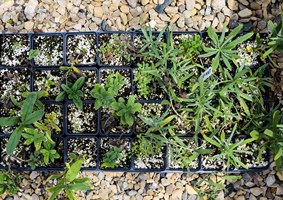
{"type": "Point", "coordinates": [112, 157]}
{"type": "Point", "coordinates": [33, 53]}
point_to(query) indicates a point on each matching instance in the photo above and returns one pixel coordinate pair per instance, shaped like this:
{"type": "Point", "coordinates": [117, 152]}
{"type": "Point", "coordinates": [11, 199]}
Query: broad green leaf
{"type": "Point", "coordinates": [71, 195]}
{"type": "Point", "coordinates": [67, 89]}
{"type": "Point", "coordinates": [97, 104]}
{"type": "Point", "coordinates": [28, 105]}
{"type": "Point", "coordinates": [61, 96]}
{"type": "Point", "coordinates": [275, 118]}
{"type": "Point", "coordinates": [269, 133]}
{"type": "Point", "coordinates": [78, 102]}
{"type": "Point", "coordinates": [78, 186]}
{"type": "Point", "coordinates": [33, 117]}
{"type": "Point", "coordinates": [54, 195]}
{"type": "Point", "coordinates": [9, 121]}
{"type": "Point", "coordinates": [56, 176]}
{"type": "Point", "coordinates": [222, 37]}
{"type": "Point", "coordinates": [226, 62]}
{"type": "Point", "coordinates": [129, 119]}
{"type": "Point", "coordinates": [14, 140]}
{"type": "Point", "coordinates": [165, 102]}
{"type": "Point", "coordinates": [254, 134]}
{"type": "Point", "coordinates": [33, 53]}
{"type": "Point", "coordinates": [58, 187]}
{"type": "Point", "coordinates": [209, 54]}
{"type": "Point", "coordinates": [40, 126]}
{"type": "Point", "coordinates": [268, 52]}
{"type": "Point", "coordinates": [82, 180]}
{"type": "Point", "coordinates": [279, 154]}
{"type": "Point", "coordinates": [74, 170]}
{"type": "Point", "coordinates": [78, 84]}
{"type": "Point", "coordinates": [223, 136]}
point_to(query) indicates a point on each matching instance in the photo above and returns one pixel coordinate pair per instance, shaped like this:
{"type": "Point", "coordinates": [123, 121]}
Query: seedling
{"type": "Point", "coordinates": [126, 110]}
{"type": "Point", "coordinates": [73, 92]}
{"type": "Point", "coordinates": [112, 157]}
{"type": "Point", "coordinates": [32, 110]}
{"type": "Point", "coordinates": [68, 181]}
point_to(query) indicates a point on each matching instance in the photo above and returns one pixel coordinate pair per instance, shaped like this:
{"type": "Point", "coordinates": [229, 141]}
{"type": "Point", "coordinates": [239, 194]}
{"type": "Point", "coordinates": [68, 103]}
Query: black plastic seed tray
{"type": "Point", "coordinates": [93, 140]}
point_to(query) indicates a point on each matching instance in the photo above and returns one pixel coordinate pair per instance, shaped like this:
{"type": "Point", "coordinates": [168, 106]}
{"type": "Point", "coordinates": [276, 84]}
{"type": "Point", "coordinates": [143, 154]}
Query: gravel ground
{"type": "Point", "coordinates": [147, 186]}
{"type": "Point", "coordinates": [85, 15]}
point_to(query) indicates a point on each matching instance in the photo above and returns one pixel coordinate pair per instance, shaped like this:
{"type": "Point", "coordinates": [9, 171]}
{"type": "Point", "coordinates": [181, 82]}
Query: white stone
{"type": "Point", "coordinates": [181, 22]}
{"type": "Point", "coordinates": [28, 25]}
{"type": "Point", "coordinates": [226, 11]}
{"type": "Point", "coordinates": [33, 175]}
{"type": "Point", "coordinates": [5, 6]}
{"type": "Point", "coordinates": [270, 180]}
{"type": "Point", "coordinates": [217, 5]}
{"type": "Point", "coordinates": [61, 10]}
{"type": "Point", "coordinates": [144, 2]}
{"type": "Point", "coordinates": [132, 3]}
{"type": "Point", "coordinates": [190, 4]}
{"type": "Point", "coordinates": [177, 194]}
{"type": "Point", "coordinates": [34, 197]}
{"type": "Point", "coordinates": [256, 191]}
{"type": "Point", "coordinates": [6, 17]}
{"type": "Point", "coordinates": [98, 12]}
{"type": "Point", "coordinates": [233, 4]}
{"type": "Point", "coordinates": [245, 13]}
{"type": "Point", "coordinates": [190, 190]}
{"type": "Point", "coordinates": [30, 9]}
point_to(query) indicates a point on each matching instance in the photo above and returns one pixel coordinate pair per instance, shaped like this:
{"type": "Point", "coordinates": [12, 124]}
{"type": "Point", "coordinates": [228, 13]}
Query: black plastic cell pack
{"type": "Point", "coordinates": [94, 137]}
